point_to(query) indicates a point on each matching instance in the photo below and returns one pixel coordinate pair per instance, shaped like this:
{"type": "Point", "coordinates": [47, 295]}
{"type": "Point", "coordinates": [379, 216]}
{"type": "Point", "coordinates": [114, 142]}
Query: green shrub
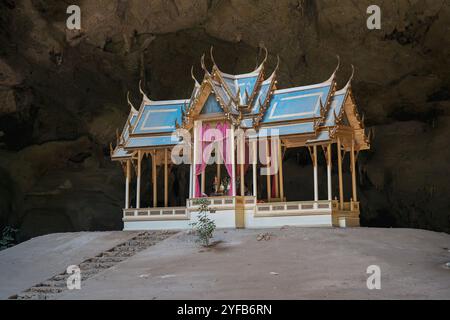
{"type": "Point", "coordinates": [205, 226]}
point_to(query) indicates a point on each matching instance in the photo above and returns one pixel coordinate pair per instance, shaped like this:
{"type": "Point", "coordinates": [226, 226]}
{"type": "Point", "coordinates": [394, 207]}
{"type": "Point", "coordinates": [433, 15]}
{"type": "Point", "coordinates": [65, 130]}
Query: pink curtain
{"type": "Point", "coordinates": [201, 164]}
{"type": "Point", "coordinates": [226, 155]}
{"type": "Point", "coordinates": [224, 151]}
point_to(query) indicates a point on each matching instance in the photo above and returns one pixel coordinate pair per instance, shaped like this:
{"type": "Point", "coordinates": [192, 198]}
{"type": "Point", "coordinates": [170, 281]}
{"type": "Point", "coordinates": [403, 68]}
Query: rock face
{"type": "Point", "coordinates": [63, 94]}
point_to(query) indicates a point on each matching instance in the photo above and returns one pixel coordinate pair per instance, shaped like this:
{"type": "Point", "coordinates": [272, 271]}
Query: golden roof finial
{"type": "Point", "coordinates": [142, 91]}
{"type": "Point", "coordinates": [265, 58]}
{"type": "Point", "coordinates": [338, 64]}
{"type": "Point", "coordinates": [237, 98]}
{"type": "Point", "coordinates": [202, 62]}
{"type": "Point", "coordinates": [212, 57]}
{"type": "Point", "coordinates": [276, 67]}
{"type": "Point", "coordinates": [278, 63]}
{"type": "Point", "coordinates": [333, 75]}
{"type": "Point", "coordinates": [117, 137]}
{"type": "Point", "coordinates": [133, 109]}
{"type": "Point", "coordinates": [130, 127]}
{"type": "Point", "coordinates": [193, 77]}
{"type": "Point", "coordinates": [265, 55]}
{"type": "Point", "coordinates": [349, 82]}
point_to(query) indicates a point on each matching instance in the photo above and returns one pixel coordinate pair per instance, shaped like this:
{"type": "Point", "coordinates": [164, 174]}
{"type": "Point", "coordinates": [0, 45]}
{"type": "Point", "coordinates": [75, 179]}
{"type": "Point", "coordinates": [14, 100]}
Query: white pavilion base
{"type": "Point", "coordinates": [243, 212]}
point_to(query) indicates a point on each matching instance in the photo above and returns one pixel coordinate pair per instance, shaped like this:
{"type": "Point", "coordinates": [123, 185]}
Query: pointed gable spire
{"type": "Point", "coordinates": [247, 97]}
{"type": "Point", "coordinates": [237, 98]}
{"type": "Point", "coordinates": [336, 118]}
{"type": "Point", "coordinates": [261, 65]}
{"type": "Point", "coordinates": [349, 82]}
{"type": "Point", "coordinates": [193, 77]}
{"type": "Point", "coordinates": [348, 85]}
{"type": "Point", "coordinates": [111, 149]}
{"type": "Point", "coordinates": [202, 63]}
{"type": "Point", "coordinates": [212, 58]}
{"type": "Point", "coordinates": [118, 140]}
{"type": "Point", "coordinates": [333, 75]}
{"type": "Point", "coordinates": [132, 108]}
{"type": "Point", "coordinates": [144, 96]}
{"type": "Point", "coordinates": [130, 126]}
{"type": "Point", "coordinates": [276, 67]}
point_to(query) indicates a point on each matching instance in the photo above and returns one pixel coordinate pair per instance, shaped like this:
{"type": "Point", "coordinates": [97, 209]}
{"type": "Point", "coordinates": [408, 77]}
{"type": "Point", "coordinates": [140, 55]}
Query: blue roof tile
{"type": "Point", "coordinates": [286, 129]}
{"type": "Point", "coordinates": [159, 116]}
{"type": "Point", "coordinates": [211, 105]}
{"type": "Point", "coordinates": [153, 141]}
{"type": "Point", "coordinates": [337, 101]}
{"type": "Point", "coordinates": [297, 103]}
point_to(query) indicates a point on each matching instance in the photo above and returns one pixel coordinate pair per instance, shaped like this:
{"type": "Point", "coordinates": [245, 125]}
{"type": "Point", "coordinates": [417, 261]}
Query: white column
{"type": "Point", "coordinates": [190, 180]}
{"type": "Point", "coordinates": [242, 161]}
{"type": "Point", "coordinates": [166, 180]}
{"type": "Point", "coordinates": [155, 184]}
{"type": "Point", "coordinates": [127, 186]}
{"type": "Point", "coordinates": [316, 185]}
{"type": "Point", "coordinates": [341, 186]}
{"type": "Point", "coordinates": [255, 182]}
{"type": "Point", "coordinates": [330, 195]}
{"type": "Point", "coordinates": [138, 181]}
{"type": "Point", "coordinates": [233, 164]}
{"type": "Point", "coordinates": [269, 171]}
{"type": "Point", "coordinates": [194, 178]}
{"type": "Point", "coordinates": [280, 170]}
{"type": "Point", "coordinates": [274, 157]}
{"type": "Point", "coordinates": [353, 167]}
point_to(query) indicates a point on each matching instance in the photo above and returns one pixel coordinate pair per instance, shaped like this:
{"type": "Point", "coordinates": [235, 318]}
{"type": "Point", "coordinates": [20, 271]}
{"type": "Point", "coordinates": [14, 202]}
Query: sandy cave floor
{"type": "Point", "coordinates": [294, 263]}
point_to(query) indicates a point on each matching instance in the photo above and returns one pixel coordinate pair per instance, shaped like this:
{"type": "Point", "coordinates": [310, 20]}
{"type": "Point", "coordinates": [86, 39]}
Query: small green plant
{"type": "Point", "coordinates": [205, 226]}
{"type": "Point", "coordinates": [8, 237]}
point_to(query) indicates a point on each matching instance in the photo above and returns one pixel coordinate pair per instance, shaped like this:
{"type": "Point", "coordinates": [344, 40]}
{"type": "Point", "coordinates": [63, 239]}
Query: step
{"type": "Point", "coordinates": [45, 289]}
{"type": "Point", "coordinates": [53, 283]}
{"type": "Point", "coordinates": [92, 266]}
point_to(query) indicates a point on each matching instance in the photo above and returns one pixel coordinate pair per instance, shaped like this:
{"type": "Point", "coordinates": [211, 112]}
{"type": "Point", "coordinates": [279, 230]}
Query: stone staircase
{"type": "Point", "coordinates": [50, 288]}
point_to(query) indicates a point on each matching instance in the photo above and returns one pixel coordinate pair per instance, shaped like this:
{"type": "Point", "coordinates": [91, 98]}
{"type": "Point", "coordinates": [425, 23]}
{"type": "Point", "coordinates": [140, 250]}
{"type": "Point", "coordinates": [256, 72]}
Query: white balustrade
{"type": "Point", "coordinates": [293, 208]}
{"type": "Point", "coordinates": [155, 213]}
{"type": "Point", "coordinates": [229, 203]}
{"type": "Point", "coordinates": [221, 203]}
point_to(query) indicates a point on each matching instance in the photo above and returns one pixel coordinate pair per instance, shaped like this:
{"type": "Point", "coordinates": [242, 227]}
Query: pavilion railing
{"type": "Point", "coordinates": [347, 206]}
{"type": "Point", "coordinates": [222, 203]}
{"type": "Point", "coordinates": [229, 203]}
{"type": "Point", "coordinates": [293, 208]}
{"type": "Point", "coordinates": [155, 213]}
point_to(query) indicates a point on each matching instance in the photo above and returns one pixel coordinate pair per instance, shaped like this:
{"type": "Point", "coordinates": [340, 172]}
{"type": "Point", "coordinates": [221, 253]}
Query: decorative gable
{"type": "Point", "coordinates": [211, 106]}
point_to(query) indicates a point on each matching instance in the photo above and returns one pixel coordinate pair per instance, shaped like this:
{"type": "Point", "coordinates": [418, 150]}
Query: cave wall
{"type": "Point", "coordinates": [63, 95]}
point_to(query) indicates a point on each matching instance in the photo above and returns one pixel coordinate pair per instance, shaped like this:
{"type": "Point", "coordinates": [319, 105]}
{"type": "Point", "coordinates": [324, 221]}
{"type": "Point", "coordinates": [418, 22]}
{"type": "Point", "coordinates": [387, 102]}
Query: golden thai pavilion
{"type": "Point", "coordinates": [241, 125]}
